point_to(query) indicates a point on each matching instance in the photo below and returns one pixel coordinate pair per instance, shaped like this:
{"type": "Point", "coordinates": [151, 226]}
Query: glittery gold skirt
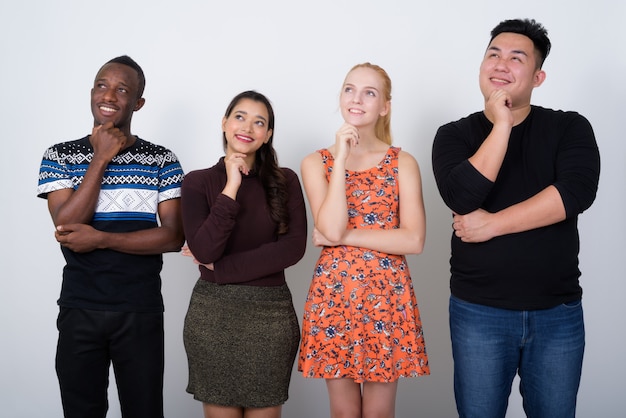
{"type": "Point", "coordinates": [241, 343]}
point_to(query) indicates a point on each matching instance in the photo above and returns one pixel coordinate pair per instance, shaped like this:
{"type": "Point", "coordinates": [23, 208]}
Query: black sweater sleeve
{"type": "Point", "coordinates": [462, 187]}
{"type": "Point", "coordinates": [577, 164]}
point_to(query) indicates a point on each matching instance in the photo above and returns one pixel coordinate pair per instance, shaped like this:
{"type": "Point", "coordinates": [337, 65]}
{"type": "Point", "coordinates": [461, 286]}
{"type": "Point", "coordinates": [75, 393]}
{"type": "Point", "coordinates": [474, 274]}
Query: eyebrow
{"type": "Point", "coordinates": [515, 51]}
{"type": "Point", "coordinates": [101, 79]}
{"type": "Point", "coordinates": [243, 112]}
{"type": "Point", "coordinates": [366, 87]}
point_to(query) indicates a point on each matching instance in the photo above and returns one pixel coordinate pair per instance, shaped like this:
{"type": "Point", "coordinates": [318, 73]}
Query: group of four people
{"type": "Point", "coordinates": [514, 175]}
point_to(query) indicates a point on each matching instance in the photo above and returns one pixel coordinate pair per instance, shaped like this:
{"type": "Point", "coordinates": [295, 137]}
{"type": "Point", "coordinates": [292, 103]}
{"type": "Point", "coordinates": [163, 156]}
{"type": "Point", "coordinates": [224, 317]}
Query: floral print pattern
{"type": "Point", "coordinates": [361, 319]}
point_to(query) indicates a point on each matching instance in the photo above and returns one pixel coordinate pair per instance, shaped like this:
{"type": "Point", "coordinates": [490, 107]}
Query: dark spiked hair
{"type": "Point", "coordinates": [535, 31]}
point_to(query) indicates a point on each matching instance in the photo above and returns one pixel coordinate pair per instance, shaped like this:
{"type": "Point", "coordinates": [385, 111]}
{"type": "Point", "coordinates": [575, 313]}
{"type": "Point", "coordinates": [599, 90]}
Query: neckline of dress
{"type": "Point", "coordinates": [378, 165]}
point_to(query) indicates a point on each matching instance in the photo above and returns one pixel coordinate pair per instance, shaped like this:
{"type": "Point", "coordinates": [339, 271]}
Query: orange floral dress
{"type": "Point", "coordinates": [361, 319]}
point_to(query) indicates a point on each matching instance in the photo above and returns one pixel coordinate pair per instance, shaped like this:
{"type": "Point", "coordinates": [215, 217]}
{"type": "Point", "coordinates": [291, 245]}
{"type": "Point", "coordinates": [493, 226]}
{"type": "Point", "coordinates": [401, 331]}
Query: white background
{"type": "Point", "coordinates": [197, 57]}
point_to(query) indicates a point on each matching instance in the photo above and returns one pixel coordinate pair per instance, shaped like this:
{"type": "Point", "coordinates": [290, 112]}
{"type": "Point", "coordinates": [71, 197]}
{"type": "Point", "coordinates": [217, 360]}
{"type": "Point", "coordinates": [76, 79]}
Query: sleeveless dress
{"type": "Point", "coordinates": [361, 319]}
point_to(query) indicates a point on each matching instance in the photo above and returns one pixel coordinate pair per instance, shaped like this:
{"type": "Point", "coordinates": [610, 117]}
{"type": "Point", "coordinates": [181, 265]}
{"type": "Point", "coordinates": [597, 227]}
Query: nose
{"type": "Point", "coordinates": [110, 95]}
{"type": "Point", "coordinates": [248, 126]}
{"type": "Point", "coordinates": [356, 98]}
{"type": "Point", "coordinates": [501, 64]}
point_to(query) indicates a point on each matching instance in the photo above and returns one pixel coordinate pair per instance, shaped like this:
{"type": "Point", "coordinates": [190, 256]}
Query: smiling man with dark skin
{"type": "Point", "coordinates": [516, 176]}
{"type": "Point", "coordinates": [114, 199]}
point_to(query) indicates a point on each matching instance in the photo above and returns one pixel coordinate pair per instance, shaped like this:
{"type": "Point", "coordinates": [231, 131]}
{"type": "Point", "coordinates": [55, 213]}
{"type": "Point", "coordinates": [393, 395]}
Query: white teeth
{"type": "Point", "coordinates": [107, 109]}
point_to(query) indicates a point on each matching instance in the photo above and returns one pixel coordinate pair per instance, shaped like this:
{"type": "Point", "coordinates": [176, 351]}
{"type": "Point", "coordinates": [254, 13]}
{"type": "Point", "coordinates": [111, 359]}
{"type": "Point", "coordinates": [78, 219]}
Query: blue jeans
{"type": "Point", "coordinates": [489, 345]}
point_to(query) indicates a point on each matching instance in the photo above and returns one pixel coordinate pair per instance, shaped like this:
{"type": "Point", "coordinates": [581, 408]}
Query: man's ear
{"type": "Point", "coordinates": [139, 104]}
{"type": "Point", "coordinates": [540, 77]}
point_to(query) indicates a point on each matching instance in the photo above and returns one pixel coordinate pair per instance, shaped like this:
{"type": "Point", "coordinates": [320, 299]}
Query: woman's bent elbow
{"type": "Point", "coordinates": [417, 246]}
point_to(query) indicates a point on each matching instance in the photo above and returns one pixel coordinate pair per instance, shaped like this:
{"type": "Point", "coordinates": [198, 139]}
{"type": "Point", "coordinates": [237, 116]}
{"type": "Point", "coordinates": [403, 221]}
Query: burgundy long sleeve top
{"type": "Point", "coordinates": [238, 236]}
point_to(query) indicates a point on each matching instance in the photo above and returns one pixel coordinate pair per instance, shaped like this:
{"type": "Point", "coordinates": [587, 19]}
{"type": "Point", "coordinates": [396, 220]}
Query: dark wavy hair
{"type": "Point", "coordinates": [532, 30]}
{"type": "Point", "coordinates": [266, 164]}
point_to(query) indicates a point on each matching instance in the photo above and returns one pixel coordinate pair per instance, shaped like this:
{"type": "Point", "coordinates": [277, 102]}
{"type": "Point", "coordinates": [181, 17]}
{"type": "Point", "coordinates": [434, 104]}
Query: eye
{"type": "Point", "coordinates": [347, 89]}
{"type": "Point", "coordinates": [371, 93]}
{"type": "Point", "coordinates": [238, 117]}
{"type": "Point", "coordinates": [260, 123]}
{"type": "Point", "coordinates": [122, 90]}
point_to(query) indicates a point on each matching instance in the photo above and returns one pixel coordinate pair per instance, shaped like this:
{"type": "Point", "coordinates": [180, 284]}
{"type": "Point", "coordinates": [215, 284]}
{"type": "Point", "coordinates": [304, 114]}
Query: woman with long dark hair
{"type": "Point", "coordinates": [245, 223]}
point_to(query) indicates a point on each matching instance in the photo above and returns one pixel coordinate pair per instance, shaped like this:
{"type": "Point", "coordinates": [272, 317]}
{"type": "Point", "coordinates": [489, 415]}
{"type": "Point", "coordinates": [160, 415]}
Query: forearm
{"type": "Point", "coordinates": [262, 261]}
{"type": "Point", "coordinates": [394, 241]}
{"type": "Point", "coordinates": [332, 217]}
{"type": "Point", "coordinates": [543, 209]}
{"type": "Point", "coordinates": [156, 240]}
{"type": "Point", "coordinates": [489, 157]}
{"type": "Point", "coordinates": [79, 206]}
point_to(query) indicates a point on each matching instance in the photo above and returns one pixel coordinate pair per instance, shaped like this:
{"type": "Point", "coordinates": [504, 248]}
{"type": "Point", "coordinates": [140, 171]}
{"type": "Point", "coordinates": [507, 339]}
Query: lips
{"type": "Point", "coordinates": [356, 111]}
{"type": "Point", "coordinates": [107, 110]}
{"type": "Point", "coordinates": [499, 80]}
{"type": "Point", "coordinates": [244, 138]}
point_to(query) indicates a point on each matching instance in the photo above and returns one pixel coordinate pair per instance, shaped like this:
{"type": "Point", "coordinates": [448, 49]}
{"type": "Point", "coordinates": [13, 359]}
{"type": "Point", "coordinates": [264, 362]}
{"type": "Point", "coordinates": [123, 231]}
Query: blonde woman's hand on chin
{"type": "Point", "coordinates": [346, 137]}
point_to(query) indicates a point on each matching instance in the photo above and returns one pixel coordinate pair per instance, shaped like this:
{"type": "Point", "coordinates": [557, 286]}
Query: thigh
{"type": "Point", "coordinates": [137, 353]}
{"type": "Point", "coordinates": [269, 412]}
{"type": "Point", "coordinates": [82, 363]}
{"type": "Point", "coordinates": [379, 399]}
{"type": "Point", "coordinates": [552, 361]}
{"type": "Point", "coordinates": [219, 411]}
{"type": "Point", "coordinates": [345, 397]}
{"type": "Point", "coordinates": [486, 349]}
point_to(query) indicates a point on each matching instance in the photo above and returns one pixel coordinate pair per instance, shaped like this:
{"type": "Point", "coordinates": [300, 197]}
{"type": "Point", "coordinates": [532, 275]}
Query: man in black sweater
{"type": "Point", "coordinates": [516, 176]}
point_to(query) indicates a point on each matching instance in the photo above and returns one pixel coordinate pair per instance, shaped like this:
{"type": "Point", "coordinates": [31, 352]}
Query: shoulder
{"type": "Point", "coordinates": [293, 181]}
{"type": "Point", "coordinates": [289, 173]}
{"type": "Point", "coordinates": [407, 164]}
{"type": "Point", "coordinates": [560, 119]}
{"type": "Point", "coordinates": [406, 157]}
{"type": "Point", "coordinates": [77, 146]}
{"type": "Point", "coordinates": [321, 153]}
{"type": "Point", "coordinates": [556, 114]}
{"type": "Point", "coordinates": [315, 159]}
{"type": "Point", "coordinates": [464, 121]}
{"type": "Point", "coordinates": [158, 151]}
{"type": "Point", "coordinates": [468, 129]}
{"type": "Point", "coordinates": [206, 174]}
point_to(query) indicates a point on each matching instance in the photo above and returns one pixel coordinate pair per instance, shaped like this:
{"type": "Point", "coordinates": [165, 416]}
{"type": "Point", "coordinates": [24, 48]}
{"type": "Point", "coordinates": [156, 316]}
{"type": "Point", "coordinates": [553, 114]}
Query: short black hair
{"type": "Point", "coordinates": [128, 61]}
{"type": "Point", "coordinates": [529, 28]}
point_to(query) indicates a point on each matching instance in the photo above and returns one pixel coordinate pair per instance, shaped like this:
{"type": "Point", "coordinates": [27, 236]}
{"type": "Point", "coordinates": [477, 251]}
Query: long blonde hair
{"type": "Point", "coordinates": [383, 124]}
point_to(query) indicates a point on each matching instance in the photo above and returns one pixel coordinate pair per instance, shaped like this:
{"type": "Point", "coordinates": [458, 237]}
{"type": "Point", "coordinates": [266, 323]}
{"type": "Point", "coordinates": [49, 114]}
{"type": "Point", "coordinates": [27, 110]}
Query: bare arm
{"type": "Point", "coordinates": [327, 200]}
{"type": "Point", "coordinates": [543, 209]}
{"type": "Point", "coordinates": [489, 157]}
{"type": "Point", "coordinates": [165, 238]}
{"type": "Point", "coordinates": [409, 237]}
{"type": "Point", "coordinates": [69, 206]}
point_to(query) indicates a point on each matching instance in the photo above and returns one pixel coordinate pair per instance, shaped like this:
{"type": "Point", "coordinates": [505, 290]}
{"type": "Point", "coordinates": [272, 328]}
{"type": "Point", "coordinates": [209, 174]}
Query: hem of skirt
{"type": "Point", "coordinates": [238, 404]}
{"type": "Point", "coordinates": [361, 379]}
